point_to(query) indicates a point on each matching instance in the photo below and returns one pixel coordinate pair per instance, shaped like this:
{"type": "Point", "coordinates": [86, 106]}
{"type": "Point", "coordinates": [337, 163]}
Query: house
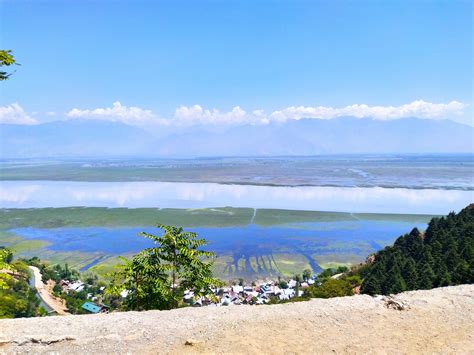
{"type": "Point", "coordinates": [188, 296]}
{"type": "Point", "coordinates": [77, 286]}
{"type": "Point", "coordinates": [237, 301]}
{"type": "Point", "coordinates": [95, 308]}
{"type": "Point", "coordinates": [237, 289]}
{"type": "Point", "coordinates": [275, 290]}
{"type": "Point", "coordinates": [226, 300]}
{"type": "Point", "coordinates": [198, 302]}
{"type": "Point", "coordinates": [292, 283]}
{"type": "Point", "coordinates": [253, 294]}
{"type": "Point", "coordinates": [286, 294]}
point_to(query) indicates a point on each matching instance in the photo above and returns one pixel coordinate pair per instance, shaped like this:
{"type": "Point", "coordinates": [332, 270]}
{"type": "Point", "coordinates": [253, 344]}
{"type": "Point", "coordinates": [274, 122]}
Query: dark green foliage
{"type": "Point", "coordinates": [59, 272]}
{"type": "Point", "coordinates": [7, 255]}
{"type": "Point", "coordinates": [6, 59]}
{"type": "Point", "coordinates": [307, 274]}
{"type": "Point", "coordinates": [156, 278]}
{"type": "Point", "coordinates": [443, 256]}
{"type": "Point", "coordinates": [330, 288]}
{"type": "Point", "coordinates": [331, 271]}
{"type": "Point", "coordinates": [327, 287]}
{"type": "Point", "coordinates": [17, 299]}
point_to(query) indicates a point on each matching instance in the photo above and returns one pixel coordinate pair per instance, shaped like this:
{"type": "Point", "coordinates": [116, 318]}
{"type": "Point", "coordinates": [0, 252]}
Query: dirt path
{"type": "Point", "coordinates": [44, 294]}
{"type": "Point", "coordinates": [438, 321]}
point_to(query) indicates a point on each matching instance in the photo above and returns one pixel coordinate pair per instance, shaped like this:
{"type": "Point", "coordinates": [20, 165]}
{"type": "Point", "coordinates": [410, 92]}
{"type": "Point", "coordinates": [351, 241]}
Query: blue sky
{"type": "Point", "coordinates": [258, 55]}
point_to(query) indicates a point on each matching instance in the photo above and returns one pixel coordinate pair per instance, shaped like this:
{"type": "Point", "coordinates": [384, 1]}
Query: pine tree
{"type": "Point", "coordinates": [410, 274]}
{"type": "Point", "coordinates": [443, 256]}
{"type": "Point", "coordinates": [371, 286]}
{"type": "Point", "coordinates": [427, 275]}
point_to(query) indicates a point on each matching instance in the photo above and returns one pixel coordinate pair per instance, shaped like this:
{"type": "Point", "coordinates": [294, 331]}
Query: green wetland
{"type": "Point", "coordinates": [415, 171]}
{"type": "Point", "coordinates": [249, 243]}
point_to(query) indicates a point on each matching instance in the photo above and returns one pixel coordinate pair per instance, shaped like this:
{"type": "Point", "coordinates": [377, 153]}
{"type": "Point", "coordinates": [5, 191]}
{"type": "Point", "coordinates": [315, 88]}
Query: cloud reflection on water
{"type": "Point", "coordinates": [24, 194]}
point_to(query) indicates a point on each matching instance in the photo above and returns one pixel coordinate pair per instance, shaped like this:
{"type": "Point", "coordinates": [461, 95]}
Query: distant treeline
{"type": "Point", "coordinates": [442, 256]}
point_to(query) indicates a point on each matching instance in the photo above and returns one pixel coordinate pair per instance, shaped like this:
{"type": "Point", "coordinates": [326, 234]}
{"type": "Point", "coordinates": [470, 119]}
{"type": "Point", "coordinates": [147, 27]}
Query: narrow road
{"type": "Point", "coordinates": [43, 293]}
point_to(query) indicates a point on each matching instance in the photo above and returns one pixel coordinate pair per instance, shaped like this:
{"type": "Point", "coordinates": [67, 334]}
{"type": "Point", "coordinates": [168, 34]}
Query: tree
{"type": "Point", "coordinates": [145, 281]}
{"type": "Point", "coordinates": [330, 288]}
{"type": "Point", "coordinates": [307, 274]}
{"type": "Point", "coordinates": [298, 281]}
{"type": "Point", "coordinates": [6, 257]}
{"type": "Point", "coordinates": [157, 277]}
{"type": "Point", "coordinates": [371, 286]}
{"type": "Point", "coordinates": [426, 277]}
{"type": "Point", "coordinates": [17, 299]}
{"type": "Point", "coordinates": [6, 59]}
{"type": "Point", "coordinates": [410, 274]}
{"type": "Point", "coordinates": [442, 256]}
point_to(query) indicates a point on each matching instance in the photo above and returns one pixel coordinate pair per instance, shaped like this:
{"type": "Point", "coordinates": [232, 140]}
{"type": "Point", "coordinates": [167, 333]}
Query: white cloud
{"type": "Point", "coordinates": [118, 113]}
{"type": "Point", "coordinates": [418, 108]}
{"type": "Point", "coordinates": [197, 115]}
{"type": "Point", "coordinates": [14, 114]}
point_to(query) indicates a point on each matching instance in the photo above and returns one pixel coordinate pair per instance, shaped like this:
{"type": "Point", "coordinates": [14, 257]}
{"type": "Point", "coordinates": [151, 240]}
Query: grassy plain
{"type": "Point", "coordinates": [122, 217]}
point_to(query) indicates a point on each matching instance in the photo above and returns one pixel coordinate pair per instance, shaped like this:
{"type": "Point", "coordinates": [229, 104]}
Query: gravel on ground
{"type": "Point", "coordinates": [417, 322]}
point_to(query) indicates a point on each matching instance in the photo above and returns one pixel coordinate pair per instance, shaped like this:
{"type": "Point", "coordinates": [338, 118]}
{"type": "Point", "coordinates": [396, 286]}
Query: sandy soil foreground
{"type": "Point", "coordinates": [436, 321]}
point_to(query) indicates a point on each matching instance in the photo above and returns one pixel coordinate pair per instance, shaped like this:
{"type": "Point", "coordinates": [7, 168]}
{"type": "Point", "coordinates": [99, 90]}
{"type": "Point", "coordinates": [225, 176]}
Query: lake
{"type": "Point", "coordinates": [249, 241]}
{"type": "Point", "coordinates": [244, 250]}
{"type": "Point", "coordinates": [37, 194]}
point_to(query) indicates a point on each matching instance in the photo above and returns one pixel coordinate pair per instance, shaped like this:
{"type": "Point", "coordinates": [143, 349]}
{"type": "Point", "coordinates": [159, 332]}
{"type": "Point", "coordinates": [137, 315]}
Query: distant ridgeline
{"type": "Point", "coordinates": [442, 256]}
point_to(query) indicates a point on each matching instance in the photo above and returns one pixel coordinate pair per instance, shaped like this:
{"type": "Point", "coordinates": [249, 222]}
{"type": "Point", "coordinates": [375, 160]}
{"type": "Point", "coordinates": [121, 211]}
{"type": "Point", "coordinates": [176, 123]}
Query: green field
{"type": "Point", "coordinates": [205, 217]}
{"type": "Point", "coordinates": [119, 217]}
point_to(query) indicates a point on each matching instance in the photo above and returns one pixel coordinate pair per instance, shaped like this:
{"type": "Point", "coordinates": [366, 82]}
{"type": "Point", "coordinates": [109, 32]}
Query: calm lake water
{"type": "Point", "coordinates": [358, 237]}
{"type": "Point", "coordinates": [35, 194]}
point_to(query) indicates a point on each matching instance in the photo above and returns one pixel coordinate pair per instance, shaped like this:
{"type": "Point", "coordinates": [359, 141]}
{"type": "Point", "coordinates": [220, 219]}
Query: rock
{"type": "Point", "coordinates": [392, 303]}
{"type": "Point", "coordinates": [193, 342]}
{"type": "Point", "coordinates": [43, 341]}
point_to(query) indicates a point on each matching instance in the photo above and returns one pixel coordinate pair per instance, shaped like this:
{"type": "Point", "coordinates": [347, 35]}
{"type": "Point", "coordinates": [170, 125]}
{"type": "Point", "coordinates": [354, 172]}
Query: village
{"type": "Point", "coordinates": [260, 293]}
{"type": "Point", "coordinates": [237, 293]}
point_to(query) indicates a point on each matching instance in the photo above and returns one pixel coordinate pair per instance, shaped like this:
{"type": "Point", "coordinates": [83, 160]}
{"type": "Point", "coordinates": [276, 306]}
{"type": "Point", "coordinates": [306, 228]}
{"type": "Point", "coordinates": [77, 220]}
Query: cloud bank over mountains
{"type": "Point", "coordinates": [341, 135]}
{"type": "Point", "coordinates": [197, 115]}
{"type": "Point", "coordinates": [14, 114]}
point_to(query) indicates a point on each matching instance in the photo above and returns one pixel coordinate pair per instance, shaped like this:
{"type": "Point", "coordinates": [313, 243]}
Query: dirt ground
{"type": "Point", "coordinates": [44, 292]}
{"type": "Point", "coordinates": [435, 321]}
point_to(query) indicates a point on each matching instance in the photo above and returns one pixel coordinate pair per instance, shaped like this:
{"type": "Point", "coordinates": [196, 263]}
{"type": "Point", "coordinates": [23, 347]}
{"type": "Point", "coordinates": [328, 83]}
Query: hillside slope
{"type": "Point", "coordinates": [443, 256]}
{"type": "Point", "coordinates": [438, 320]}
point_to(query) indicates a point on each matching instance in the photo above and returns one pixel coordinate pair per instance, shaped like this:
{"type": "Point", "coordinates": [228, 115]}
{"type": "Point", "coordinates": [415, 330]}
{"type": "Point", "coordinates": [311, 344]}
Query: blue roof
{"type": "Point", "coordinates": [91, 307]}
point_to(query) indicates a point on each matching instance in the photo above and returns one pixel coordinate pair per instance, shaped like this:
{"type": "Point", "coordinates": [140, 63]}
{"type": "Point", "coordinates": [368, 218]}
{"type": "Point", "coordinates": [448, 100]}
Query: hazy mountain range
{"type": "Point", "coordinates": [94, 138]}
